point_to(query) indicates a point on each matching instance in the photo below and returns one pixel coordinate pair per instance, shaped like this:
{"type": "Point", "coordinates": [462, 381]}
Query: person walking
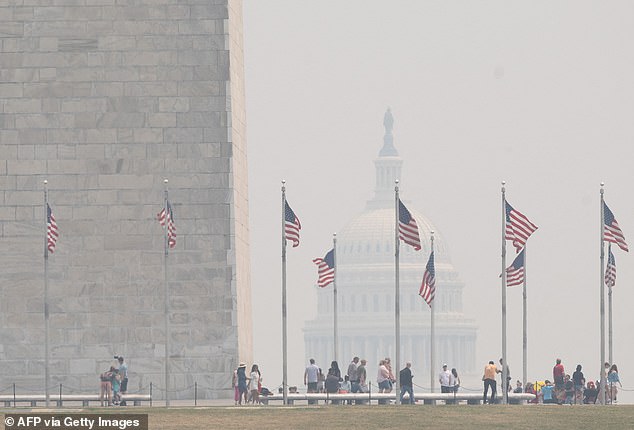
{"type": "Point", "coordinates": [405, 379]}
{"type": "Point", "coordinates": [444, 377]}
{"type": "Point", "coordinates": [490, 371]}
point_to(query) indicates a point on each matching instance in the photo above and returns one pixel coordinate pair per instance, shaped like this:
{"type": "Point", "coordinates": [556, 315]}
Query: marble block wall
{"type": "Point", "coordinates": [104, 99]}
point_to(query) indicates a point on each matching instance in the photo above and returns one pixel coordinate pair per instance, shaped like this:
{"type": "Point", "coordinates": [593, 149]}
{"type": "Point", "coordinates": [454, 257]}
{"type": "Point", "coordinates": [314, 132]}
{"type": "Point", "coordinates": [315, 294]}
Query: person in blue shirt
{"type": "Point", "coordinates": [547, 393]}
{"type": "Point", "coordinates": [613, 379]}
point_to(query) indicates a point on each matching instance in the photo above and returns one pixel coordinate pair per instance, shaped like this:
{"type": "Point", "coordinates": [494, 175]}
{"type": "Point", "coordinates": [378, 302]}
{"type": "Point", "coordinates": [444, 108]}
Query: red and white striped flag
{"type": "Point", "coordinates": [611, 231]}
{"type": "Point", "coordinates": [167, 217]}
{"type": "Point", "coordinates": [292, 226]}
{"type": "Point", "coordinates": [407, 227]}
{"type": "Point", "coordinates": [428, 287]}
{"type": "Point", "coordinates": [517, 227]}
{"type": "Point", "coordinates": [325, 268]}
{"type": "Point", "coordinates": [610, 270]}
{"type": "Point", "coordinates": [515, 272]}
{"type": "Point", "coordinates": [51, 230]}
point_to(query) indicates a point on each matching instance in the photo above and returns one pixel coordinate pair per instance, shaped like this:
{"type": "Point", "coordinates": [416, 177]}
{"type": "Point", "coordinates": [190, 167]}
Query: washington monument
{"type": "Point", "coordinates": [106, 101]}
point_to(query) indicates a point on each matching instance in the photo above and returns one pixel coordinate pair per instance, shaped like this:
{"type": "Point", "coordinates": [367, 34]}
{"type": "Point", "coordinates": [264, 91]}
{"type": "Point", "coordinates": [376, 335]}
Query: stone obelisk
{"type": "Point", "coordinates": [105, 100]}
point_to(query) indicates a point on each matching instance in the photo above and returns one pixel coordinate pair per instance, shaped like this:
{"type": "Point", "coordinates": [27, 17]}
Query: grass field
{"type": "Point", "coordinates": [384, 417]}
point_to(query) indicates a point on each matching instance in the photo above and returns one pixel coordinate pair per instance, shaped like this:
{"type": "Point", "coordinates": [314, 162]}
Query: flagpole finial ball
{"type": "Point", "coordinates": [45, 181]}
{"type": "Point", "coordinates": [396, 181]}
{"type": "Point", "coordinates": [503, 183]}
{"type": "Point", "coordinates": [283, 181]}
{"type": "Point", "coordinates": [602, 183]}
{"type": "Point", "coordinates": [165, 181]}
{"type": "Point", "coordinates": [335, 234]}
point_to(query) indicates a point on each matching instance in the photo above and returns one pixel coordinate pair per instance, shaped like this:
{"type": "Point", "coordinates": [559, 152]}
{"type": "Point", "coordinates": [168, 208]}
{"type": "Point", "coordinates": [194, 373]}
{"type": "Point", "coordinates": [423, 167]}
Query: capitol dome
{"type": "Point", "coordinates": [365, 280]}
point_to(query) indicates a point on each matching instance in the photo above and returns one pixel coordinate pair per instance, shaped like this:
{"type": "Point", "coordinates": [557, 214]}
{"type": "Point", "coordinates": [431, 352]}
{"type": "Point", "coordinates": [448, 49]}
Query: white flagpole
{"type": "Point", "coordinates": [524, 326]}
{"type": "Point", "coordinates": [432, 337]}
{"type": "Point", "coordinates": [504, 366]}
{"type": "Point", "coordinates": [397, 310]}
{"type": "Point", "coordinates": [602, 305]}
{"type": "Point", "coordinates": [334, 284]}
{"type": "Point", "coordinates": [166, 293]}
{"type": "Point", "coordinates": [284, 340]}
{"type": "Point", "coordinates": [47, 376]}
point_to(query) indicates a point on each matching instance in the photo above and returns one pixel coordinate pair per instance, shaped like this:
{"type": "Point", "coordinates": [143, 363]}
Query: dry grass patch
{"type": "Point", "coordinates": [401, 417]}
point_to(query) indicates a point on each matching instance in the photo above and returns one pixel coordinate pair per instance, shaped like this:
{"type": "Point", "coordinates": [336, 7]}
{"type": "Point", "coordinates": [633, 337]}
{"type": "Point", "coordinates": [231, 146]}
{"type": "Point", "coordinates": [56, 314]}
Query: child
{"type": "Point", "coordinates": [569, 386]}
{"type": "Point", "coordinates": [116, 388]}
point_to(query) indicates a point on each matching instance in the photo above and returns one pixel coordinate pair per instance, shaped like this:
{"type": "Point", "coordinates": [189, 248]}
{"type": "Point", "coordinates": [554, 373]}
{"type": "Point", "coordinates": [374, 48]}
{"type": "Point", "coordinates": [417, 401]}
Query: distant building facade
{"type": "Point", "coordinates": [105, 100]}
{"type": "Point", "coordinates": [365, 287]}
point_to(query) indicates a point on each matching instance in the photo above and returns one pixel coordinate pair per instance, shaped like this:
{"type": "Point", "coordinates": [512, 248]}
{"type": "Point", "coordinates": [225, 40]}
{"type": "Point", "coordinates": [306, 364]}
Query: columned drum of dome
{"type": "Point", "coordinates": [365, 283]}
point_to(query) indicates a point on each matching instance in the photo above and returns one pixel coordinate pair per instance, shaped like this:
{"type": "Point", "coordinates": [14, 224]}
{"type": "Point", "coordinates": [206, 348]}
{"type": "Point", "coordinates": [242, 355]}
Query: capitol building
{"type": "Point", "coordinates": [365, 289]}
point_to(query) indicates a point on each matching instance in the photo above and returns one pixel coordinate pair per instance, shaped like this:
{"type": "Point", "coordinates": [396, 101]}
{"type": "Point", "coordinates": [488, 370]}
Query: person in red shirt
{"type": "Point", "coordinates": [558, 374]}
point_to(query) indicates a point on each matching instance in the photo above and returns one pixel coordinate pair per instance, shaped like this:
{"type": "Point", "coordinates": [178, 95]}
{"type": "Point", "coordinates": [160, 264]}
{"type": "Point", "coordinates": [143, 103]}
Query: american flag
{"type": "Point", "coordinates": [292, 225]}
{"type": "Point", "coordinates": [515, 272]}
{"type": "Point", "coordinates": [51, 230]}
{"type": "Point", "coordinates": [407, 227]}
{"type": "Point", "coordinates": [610, 270]}
{"type": "Point", "coordinates": [428, 287]}
{"type": "Point", "coordinates": [168, 215]}
{"type": "Point", "coordinates": [518, 227]}
{"type": "Point", "coordinates": [325, 268]}
{"type": "Point", "coordinates": [612, 232]}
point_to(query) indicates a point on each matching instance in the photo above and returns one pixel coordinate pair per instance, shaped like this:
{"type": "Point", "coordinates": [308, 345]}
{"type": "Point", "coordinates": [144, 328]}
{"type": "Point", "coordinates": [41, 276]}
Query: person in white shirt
{"type": "Point", "coordinates": [445, 380]}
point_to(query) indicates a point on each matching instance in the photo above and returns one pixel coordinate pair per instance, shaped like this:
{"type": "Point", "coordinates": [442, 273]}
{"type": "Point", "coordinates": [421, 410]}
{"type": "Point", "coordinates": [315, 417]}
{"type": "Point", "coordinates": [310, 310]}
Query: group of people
{"type": "Point", "coordinates": [113, 383]}
{"type": "Point", "coordinates": [247, 387]}
{"type": "Point", "coordinates": [564, 389]}
{"type": "Point", "coordinates": [356, 381]}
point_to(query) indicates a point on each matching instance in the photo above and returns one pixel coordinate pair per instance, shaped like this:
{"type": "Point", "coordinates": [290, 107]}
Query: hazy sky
{"type": "Point", "coordinates": [537, 93]}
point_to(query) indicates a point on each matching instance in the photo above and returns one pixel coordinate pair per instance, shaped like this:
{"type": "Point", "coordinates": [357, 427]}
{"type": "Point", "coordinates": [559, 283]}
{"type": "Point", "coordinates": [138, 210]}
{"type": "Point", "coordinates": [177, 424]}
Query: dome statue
{"type": "Point", "coordinates": [365, 288]}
